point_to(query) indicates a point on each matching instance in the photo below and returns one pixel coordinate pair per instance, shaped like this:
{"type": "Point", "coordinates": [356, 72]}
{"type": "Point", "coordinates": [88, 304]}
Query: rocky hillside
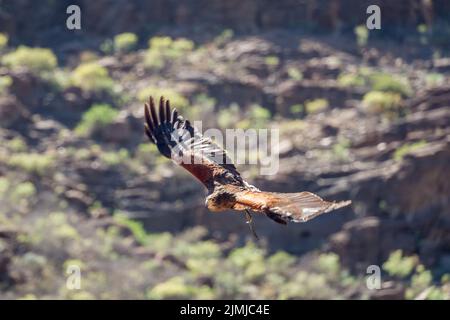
{"type": "Point", "coordinates": [359, 118]}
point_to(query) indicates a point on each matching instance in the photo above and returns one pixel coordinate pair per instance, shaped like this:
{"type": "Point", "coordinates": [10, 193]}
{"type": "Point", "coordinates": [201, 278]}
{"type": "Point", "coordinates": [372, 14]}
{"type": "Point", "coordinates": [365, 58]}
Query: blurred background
{"type": "Point", "coordinates": [363, 115]}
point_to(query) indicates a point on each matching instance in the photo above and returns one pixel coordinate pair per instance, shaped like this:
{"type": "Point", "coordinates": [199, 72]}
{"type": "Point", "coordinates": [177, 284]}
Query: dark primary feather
{"type": "Point", "coordinates": [176, 138]}
{"type": "Point", "coordinates": [159, 129]}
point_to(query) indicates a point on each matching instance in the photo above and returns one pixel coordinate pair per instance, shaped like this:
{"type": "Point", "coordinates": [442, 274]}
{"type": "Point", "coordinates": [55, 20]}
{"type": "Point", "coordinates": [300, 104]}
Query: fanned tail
{"type": "Point", "coordinates": [285, 207]}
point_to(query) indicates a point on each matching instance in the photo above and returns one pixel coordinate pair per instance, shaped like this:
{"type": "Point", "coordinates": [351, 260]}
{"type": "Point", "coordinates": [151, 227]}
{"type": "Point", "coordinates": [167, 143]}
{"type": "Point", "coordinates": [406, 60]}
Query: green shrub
{"type": "Point", "coordinates": [399, 265]}
{"type": "Point", "coordinates": [157, 51]}
{"type": "Point", "coordinates": [259, 113]}
{"type": "Point", "coordinates": [295, 74]}
{"type": "Point", "coordinates": [341, 149]}
{"type": "Point", "coordinates": [107, 46]}
{"type": "Point", "coordinates": [32, 162]}
{"type": "Point", "coordinates": [164, 49]}
{"type": "Point", "coordinates": [22, 191]}
{"type": "Point", "coordinates": [362, 35]}
{"type": "Point", "coordinates": [434, 79]}
{"type": "Point", "coordinates": [202, 249]}
{"type": "Point", "coordinates": [5, 83]}
{"type": "Point", "coordinates": [280, 261]}
{"type": "Point", "coordinates": [3, 40]}
{"type": "Point", "coordinates": [200, 267]}
{"type": "Point", "coordinates": [316, 105]}
{"type": "Point", "coordinates": [307, 285]}
{"type": "Point", "coordinates": [244, 256]}
{"type": "Point", "coordinates": [17, 144]}
{"type": "Point", "coordinates": [4, 186]}
{"type": "Point", "coordinates": [329, 264]}
{"type": "Point", "coordinates": [258, 116]}
{"type": "Point", "coordinates": [228, 116]}
{"type": "Point", "coordinates": [125, 42]}
{"type": "Point", "coordinates": [79, 154]}
{"type": "Point", "coordinates": [180, 46]}
{"type": "Point", "coordinates": [250, 260]}
{"type": "Point", "coordinates": [223, 37]}
{"type": "Point", "coordinates": [146, 152]}
{"type": "Point", "coordinates": [113, 158]}
{"type": "Point", "coordinates": [205, 101]}
{"type": "Point", "coordinates": [424, 33]}
{"type": "Point", "coordinates": [73, 262]}
{"type": "Point", "coordinates": [422, 28]}
{"type": "Point", "coordinates": [202, 257]}
{"type": "Point", "coordinates": [351, 80]}
{"type": "Point", "coordinates": [420, 281]}
{"type": "Point", "coordinates": [297, 109]}
{"type": "Point", "coordinates": [378, 81]}
{"type": "Point", "coordinates": [135, 227]}
{"type": "Point", "coordinates": [97, 117]}
{"type": "Point", "coordinates": [389, 83]}
{"type": "Point", "coordinates": [177, 288]}
{"type": "Point", "coordinates": [272, 61]}
{"type": "Point", "coordinates": [87, 56]}
{"type": "Point", "coordinates": [60, 79]}
{"type": "Point", "coordinates": [407, 149]}
{"type": "Point", "coordinates": [161, 242]}
{"type": "Point", "coordinates": [176, 100]}
{"type": "Point", "coordinates": [92, 77]}
{"type": "Point", "coordinates": [53, 228]}
{"type": "Point", "coordinates": [378, 101]}
{"type": "Point", "coordinates": [37, 60]}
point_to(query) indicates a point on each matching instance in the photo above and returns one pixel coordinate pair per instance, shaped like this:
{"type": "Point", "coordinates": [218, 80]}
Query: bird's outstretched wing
{"type": "Point", "coordinates": [178, 140]}
{"type": "Point", "coordinates": [284, 207]}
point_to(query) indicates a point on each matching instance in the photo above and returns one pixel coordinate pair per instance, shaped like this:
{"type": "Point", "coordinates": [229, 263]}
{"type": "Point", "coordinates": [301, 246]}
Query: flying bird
{"type": "Point", "coordinates": [178, 140]}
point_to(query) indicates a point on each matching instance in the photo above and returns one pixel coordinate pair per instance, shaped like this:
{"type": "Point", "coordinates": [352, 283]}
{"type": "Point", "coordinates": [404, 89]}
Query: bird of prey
{"type": "Point", "coordinates": [178, 140]}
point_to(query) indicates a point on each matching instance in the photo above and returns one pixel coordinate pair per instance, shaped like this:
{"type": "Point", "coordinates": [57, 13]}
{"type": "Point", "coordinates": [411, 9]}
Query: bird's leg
{"type": "Point", "coordinates": [249, 218]}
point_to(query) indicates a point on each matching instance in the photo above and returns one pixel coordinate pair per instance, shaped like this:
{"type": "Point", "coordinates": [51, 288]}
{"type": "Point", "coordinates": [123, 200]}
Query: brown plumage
{"type": "Point", "coordinates": [178, 140]}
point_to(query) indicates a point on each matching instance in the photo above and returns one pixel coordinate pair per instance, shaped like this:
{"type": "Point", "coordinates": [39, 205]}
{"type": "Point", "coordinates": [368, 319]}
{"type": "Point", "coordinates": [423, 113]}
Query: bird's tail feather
{"type": "Point", "coordinates": [284, 207]}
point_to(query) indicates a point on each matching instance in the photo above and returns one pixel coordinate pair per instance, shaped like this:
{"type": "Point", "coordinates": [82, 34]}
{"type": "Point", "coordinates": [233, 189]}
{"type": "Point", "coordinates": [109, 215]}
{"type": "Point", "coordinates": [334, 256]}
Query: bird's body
{"type": "Point", "coordinates": [227, 190]}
